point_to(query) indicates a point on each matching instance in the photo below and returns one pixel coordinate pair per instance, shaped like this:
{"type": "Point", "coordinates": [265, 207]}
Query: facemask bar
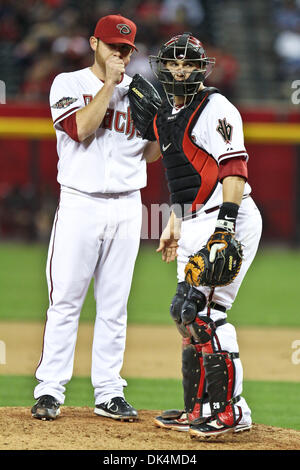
{"type": "Point", "coordinates": [189, 52]}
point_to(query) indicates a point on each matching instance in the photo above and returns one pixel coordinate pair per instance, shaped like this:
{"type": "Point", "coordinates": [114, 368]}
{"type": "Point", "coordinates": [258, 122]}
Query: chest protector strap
{"type": "Point", "coordinates": [202, 161]}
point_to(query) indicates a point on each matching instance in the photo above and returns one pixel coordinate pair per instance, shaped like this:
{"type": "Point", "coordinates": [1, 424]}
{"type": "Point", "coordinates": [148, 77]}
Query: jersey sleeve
{"type": "Point", "coordinates": [225, 134]}
{"type": "Point", "coordinates": [233, 167]}
{"type": "Point", "coordinates": [64, 98]}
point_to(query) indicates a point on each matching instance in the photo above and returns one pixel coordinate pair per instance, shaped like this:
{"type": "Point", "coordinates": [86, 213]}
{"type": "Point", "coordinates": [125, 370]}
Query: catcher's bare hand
{"type": "Point", "coordinates": [168, 242]}
{"type": "Point", "coordinates": [168, 248]}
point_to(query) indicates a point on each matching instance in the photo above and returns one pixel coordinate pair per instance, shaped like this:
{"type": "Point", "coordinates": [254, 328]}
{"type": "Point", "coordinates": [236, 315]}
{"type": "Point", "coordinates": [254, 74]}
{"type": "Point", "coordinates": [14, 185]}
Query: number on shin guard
{"type": "Point", "coordinates": [193, 382]}
{"type": "Point", "coordinates": [220, 373]}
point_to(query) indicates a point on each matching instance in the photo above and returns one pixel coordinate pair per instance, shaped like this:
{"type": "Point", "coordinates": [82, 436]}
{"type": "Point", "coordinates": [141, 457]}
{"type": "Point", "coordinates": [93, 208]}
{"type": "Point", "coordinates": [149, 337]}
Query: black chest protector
{"type": "Point", "coordinates": [191, 172]}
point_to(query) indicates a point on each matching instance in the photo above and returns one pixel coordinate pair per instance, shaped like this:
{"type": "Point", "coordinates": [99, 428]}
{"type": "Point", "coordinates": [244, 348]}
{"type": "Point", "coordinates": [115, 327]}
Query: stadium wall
{"type": "Point", "coordinates": [272, 137]}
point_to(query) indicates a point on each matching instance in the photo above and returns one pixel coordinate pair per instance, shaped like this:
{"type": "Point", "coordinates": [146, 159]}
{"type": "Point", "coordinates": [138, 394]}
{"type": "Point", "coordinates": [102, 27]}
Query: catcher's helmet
{"type": "Point", "coordinates": [182, 47]}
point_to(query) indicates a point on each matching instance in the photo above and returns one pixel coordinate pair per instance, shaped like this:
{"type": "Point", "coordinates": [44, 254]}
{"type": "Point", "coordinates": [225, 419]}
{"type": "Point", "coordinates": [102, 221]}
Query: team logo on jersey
{"type": "Point", "coordinates": [123, 28]}
{"type": "Point", "coordinates": [225, 130]}
{"type": "Point", "coordinates": [64, 102]}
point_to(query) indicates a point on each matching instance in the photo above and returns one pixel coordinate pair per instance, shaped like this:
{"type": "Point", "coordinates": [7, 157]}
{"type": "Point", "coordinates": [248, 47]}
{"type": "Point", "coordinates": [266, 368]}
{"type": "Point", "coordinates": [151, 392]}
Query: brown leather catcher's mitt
{"type": "Point", "coordinates": [216, 264]}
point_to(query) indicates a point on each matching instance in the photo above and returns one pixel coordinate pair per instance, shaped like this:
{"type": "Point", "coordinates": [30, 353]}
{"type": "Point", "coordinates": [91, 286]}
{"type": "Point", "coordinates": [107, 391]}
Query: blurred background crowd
{"type": "Point", "coordinates": [256, 45]}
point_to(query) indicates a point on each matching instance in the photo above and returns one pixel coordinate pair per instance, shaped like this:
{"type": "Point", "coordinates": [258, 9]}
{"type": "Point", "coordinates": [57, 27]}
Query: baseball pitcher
{"type": "Point", "coordinates": [96, 231]}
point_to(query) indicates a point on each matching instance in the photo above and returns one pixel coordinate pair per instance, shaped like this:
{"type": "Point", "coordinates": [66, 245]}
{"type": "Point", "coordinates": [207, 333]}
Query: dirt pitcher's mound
{"type": "Point", "coordinates": [81, 429]}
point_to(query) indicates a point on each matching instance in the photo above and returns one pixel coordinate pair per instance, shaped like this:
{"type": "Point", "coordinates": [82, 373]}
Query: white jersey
{"type": "Point", "coordinates": [109, 161]}
{"type": "Point", "coordinates": [219, 131]}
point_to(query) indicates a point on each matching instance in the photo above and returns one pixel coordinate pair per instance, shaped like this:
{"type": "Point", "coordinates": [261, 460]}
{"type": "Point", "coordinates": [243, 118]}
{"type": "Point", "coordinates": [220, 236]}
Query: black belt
{"type": "Point", "coordinates": [212, 209]}
{"type": "Point", "coordinates": [235, 399]}
{"type": "Point", "coordinates": [216, 306]}
{"type": "Point", "coordinates": [232, 355]}
{"type": "Point", "coordinates": [220, 322]}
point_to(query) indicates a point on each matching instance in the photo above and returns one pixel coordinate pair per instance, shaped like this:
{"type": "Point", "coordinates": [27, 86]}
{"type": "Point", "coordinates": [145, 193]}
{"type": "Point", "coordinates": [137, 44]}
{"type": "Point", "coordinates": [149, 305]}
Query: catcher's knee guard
{"type": "Point", "coordinates": [220, 380]}
{"type": "Point", "coordinates": [194, 303]}
{"type": "Point", "coordinates": [176, 306]}
{"type": "Point", "coordinates": [193, 382]}
{"type": "Point", "coordinates": [203, 329]}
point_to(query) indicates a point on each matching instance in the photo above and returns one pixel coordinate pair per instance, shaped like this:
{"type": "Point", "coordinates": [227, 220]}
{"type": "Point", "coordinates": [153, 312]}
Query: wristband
{"type": "Point", "coordinates": [227, 217]}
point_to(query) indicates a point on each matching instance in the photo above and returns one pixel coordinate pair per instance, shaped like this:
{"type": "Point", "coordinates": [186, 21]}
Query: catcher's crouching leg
{"type": "Point", "coordinates": [193, 381]}
{"type": "Point", "coordinates": [220, 378]}
{"type": "Point", "coordinates": [191, 302]}
{"type": "Point", "coordinates": [217, 367]}
{"type": "Point", "coordinates": [178, 419]}
{"type": "Point", "coordinates": [193, 389]}
{"type": "Point", "coordinates": [202, 329]}
{"type": "Point", "coordinates": [220, 372]}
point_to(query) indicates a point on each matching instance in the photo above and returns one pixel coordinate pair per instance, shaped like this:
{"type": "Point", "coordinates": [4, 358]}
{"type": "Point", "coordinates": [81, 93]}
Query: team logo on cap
{"type": "Point", "coordinates": [123, 28]}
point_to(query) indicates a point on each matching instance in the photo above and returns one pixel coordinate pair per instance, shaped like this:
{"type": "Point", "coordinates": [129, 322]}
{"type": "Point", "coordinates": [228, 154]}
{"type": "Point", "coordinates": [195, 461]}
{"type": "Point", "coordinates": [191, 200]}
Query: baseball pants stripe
{"type": "Point", "coordinates": [92, 237]}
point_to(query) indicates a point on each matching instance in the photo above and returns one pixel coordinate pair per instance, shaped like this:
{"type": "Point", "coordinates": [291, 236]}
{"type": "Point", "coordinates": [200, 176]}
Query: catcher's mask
{"type": "Point", "coordinates": [182, 47]}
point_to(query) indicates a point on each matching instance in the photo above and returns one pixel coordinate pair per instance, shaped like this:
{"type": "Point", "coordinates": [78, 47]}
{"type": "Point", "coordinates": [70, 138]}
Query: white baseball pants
{"type": "Point", "coordinates": [194, 235]}
{"type": "Point", "coordinates": [93, 236]}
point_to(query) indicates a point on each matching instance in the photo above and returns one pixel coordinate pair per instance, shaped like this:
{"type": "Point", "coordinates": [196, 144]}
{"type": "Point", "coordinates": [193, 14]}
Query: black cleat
{"type": "Point", "coordinates": [176, 420]}
{"type": "Point", "coordinates": [46, 408]}
{"type": "Point", "coordinates": [214, 427]}
{"type": "Point", "coordinates": [117, 408]}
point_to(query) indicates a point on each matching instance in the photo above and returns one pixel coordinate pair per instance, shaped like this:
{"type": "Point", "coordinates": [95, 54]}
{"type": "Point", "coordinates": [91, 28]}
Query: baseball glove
{"type": "Point", "coordinates": [144, 102]}
{"type": "Point", "coordinates": [216, 264]}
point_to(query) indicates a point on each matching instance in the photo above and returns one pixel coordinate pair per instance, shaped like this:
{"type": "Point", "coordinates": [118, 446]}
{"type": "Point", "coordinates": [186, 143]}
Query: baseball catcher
{"type": "Point", "coordinates": [214, 231]}
{"type": "Point", "coordinates": [144, 102]}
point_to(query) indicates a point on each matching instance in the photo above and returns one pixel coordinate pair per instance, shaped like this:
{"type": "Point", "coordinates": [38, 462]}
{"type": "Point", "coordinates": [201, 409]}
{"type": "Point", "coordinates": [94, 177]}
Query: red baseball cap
{"type": "Point", "coordinates": [114, 29]}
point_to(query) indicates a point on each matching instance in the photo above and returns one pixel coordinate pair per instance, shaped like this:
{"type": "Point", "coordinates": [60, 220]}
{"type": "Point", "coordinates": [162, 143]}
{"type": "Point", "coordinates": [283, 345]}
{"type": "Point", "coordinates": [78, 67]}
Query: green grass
{"type": "Point", "coordinates": [266, 298]}
{"type": "Point", "coordinates": [268, 295]}
{"type": "Point", "coordinates": [144, 393]}
{"type": "Point", "coordinates": [22, 281]}
{"type": "Point", "coordinates": [272, 403]}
